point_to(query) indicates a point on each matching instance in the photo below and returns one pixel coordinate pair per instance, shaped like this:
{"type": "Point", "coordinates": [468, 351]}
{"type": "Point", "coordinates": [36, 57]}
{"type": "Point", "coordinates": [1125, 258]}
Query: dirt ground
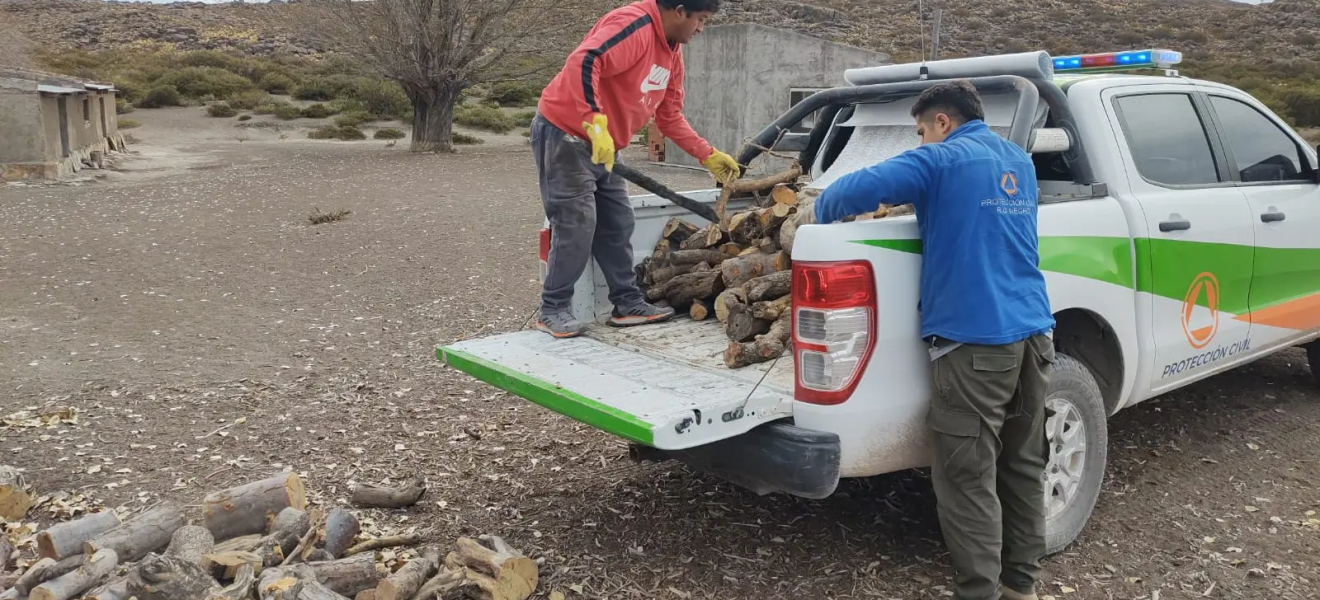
{"type": "Point", "coordinates": [208, 335]}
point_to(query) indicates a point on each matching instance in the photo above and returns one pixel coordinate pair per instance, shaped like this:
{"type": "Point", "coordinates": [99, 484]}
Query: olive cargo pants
{"type": "Point", "coordinates": [987, 421]}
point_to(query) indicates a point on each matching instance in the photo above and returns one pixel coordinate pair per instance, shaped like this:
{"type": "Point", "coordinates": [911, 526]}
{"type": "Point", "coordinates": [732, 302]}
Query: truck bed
{"type": "Point", "coordinates": [697, 343]}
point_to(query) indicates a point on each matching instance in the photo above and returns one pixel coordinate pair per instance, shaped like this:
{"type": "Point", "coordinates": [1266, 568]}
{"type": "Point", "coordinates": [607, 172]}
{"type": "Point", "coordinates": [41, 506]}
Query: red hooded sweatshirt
{"type": "Point", "coordinates": [626, 70]}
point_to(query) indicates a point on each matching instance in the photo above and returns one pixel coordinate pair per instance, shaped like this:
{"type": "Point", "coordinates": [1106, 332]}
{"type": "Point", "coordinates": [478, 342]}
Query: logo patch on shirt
{"type": "Point", "coordinates": [657, 79]}
{"type": "Point", "coordinates": [1009, 184]}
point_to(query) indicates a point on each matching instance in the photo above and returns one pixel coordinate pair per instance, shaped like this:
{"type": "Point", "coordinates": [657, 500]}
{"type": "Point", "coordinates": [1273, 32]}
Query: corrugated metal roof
{"type": "Point", "coordinates": [55, 89]}
{"type": "Point", "coordinates": [99, 87]}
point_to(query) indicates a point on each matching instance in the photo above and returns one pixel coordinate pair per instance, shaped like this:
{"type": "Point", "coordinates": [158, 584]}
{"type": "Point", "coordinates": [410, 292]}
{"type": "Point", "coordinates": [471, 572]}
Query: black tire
{"type": "Point", "coordinates": [1313, 357]}
{"type": "Point", "coordinates": [1072, 383]}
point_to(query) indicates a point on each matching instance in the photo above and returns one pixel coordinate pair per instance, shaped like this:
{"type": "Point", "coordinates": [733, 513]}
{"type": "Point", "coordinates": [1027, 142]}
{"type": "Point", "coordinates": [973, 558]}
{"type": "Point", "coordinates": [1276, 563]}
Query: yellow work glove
{"type": "Point", "coordinates": [722, 166]}
{"type": "Point", "coordinates": [602, 145]}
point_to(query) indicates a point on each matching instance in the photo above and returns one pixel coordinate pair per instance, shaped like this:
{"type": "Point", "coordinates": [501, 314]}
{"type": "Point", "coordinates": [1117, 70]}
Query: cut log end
{"type": "Point", "coordinates": [700, 310]}
{"type": "Point", "coordinates": [243, 510]}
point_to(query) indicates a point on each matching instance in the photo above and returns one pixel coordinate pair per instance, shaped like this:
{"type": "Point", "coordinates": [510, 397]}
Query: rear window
{"type": "Point", "coordinates": [1168, 139]}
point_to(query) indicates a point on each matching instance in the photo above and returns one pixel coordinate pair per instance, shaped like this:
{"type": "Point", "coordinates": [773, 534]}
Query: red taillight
{"type": "Point", "coordinates": [544, 252]}
{"type": "Point", "coordinates": [834, 314]}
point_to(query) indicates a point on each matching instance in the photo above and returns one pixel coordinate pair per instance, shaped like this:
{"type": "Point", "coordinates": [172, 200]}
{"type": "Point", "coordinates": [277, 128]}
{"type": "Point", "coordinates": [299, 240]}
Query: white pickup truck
{"type": "Point", "coordinates": [1179, 233]}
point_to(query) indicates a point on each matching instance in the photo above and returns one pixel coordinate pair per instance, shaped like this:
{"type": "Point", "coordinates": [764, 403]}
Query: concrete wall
{"type": "Point", "coordinates": [22, 139]}
{"type": "Point", "coordinates": [737, 81]}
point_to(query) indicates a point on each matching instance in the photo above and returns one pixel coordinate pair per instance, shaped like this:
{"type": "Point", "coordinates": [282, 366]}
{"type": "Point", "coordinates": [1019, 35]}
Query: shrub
{"type": "Point", "coordinates": [277, 83]}
{"type": "Point", "coordinates": [159, 96]}
{"type": "Point", "coordinates": [353, 118]}
{"type": "Point", "coordinates": [249, 100]}
{"type": "Point", "coordinates": [381, 98]}
{"type": "Point", "coordinates": [128, 123]}
{"type": "Point", "coordinates": [389, 133]}
{"type": "Point", "coordinates": [524, 118]}
{"type": "Point", "coordinates": [317, 111]}
{"type": "Point", "coordinates": [336, 132]}
{"type": "Point", "coordinates": [484, 117]}
{"type": "Point", "coordinates": [286, 111]}
{"type": "Point", "coordinates": [196, 82]}
{"type": "Point", "coordinates": [465, 139]}
{"type": "Point", "coordinates": [1302, 104]}
{"type": "Point", "coordinates": [318, 89]}
{"type": "Point", "coordinates": [123, 107]}
{"type": "Point", "coordinates": [245, 117]}
{"type": "Point", "coordinates": [221, 110]}
{"type": "Point", "coordinates": [130, 88]}
{"type": "Point", "coordinates": [515, 93]}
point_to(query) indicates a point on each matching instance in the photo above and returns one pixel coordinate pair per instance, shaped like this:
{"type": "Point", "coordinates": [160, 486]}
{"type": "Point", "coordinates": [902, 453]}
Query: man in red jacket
{"type": "Point", "coordinates": [627, 70]}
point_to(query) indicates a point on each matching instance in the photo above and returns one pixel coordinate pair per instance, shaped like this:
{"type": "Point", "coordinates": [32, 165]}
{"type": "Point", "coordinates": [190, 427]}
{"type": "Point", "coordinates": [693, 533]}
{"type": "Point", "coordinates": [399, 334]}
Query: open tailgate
{"type": "Point", "coordinates": [632, 392]}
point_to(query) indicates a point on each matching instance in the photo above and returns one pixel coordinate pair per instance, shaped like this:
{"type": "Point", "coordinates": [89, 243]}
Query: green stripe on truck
{"type": "Point", "coordinates": [551, 396]}
{"type": "Point", "coordinates": [1106, 259]}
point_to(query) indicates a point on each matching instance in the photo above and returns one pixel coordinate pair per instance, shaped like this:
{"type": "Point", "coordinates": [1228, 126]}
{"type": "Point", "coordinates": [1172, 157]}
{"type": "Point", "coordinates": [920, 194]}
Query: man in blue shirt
{"type": "Point", "coordinates": [986, 316]}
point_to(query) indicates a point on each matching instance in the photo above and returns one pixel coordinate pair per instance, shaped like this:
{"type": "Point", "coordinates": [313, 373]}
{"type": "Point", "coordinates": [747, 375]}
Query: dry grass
{"type": "Point", "coordinates": [319, 217]}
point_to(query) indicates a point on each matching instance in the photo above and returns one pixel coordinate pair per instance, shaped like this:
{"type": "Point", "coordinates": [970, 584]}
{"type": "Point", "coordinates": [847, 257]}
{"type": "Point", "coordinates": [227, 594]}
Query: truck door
{"type": "Point", "coordinates": [1275, 171]}
{"type": "Point", "coordinates": [1194, 263]}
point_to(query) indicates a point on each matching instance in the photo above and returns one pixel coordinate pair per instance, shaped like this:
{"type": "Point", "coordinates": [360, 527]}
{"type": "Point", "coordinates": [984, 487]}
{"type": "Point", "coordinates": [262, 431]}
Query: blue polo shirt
{"type": "Point", "coordinates": [975, 199]}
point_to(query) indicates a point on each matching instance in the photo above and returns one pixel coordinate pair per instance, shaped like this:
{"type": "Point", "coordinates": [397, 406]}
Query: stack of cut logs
{"type": "Point", "coordinates": [259, 541]}
{"type": "Point", "coordinates": [739, 270]}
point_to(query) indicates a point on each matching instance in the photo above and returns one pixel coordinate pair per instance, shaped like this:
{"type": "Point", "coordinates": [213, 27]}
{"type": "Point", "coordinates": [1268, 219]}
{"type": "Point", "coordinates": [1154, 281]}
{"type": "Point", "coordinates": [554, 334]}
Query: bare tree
{"type": "Point", "coordinates": [437, 48]}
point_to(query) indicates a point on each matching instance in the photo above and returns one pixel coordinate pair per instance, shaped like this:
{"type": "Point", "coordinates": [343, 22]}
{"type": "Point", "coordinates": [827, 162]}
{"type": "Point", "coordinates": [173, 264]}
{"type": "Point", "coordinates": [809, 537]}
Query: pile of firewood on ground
{"type": "Point", "coordinates": [256, 541]}
{"type": "Point", "coordinates": [739, 270]}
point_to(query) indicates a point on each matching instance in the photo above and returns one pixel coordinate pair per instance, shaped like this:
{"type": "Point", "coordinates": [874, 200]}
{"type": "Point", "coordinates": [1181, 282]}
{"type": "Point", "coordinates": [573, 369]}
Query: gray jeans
{"type": "Point", "coordinates": [590, 215]}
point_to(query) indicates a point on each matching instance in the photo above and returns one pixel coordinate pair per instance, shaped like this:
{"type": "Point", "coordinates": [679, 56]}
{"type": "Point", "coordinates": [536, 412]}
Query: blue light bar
{"type": "Point", "coordinates": [1110, 61]}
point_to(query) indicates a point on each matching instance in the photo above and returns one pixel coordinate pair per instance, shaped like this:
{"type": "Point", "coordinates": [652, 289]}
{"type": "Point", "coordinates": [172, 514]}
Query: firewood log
{"type": "Point", "coordinates": [805, 215]}
{"type": "Point", "coordinates": [752, 185]}
{"type": "Point", "coordinates": [42, 571]}
{"type": "Point", "coordinates": [190, 543]}
{"type": "Point", "coordinates": [402, 496]}
{"type": "Point", "coordinates": [682, 290]}
{"type": "Point", "coordinates": [740, 270]}
{"type": "Point", "coordinates": [406, 581]}
{"type": "Point", "coordinates": [700, 310]}
{"type": "Point", "coordinates": [15, 498]}
{"type": "Point", "coordinates": [767, 346]}
{"type": "Point", "coordinates": [240, 588]}
{"type": "Point", "coordinates": [692, 257]}
{"type": "Point", "coordinates": [348, 576]}
{"type": "Point", "coordinates": [371, 595]}
{"type": "Point", "coordinates": [7, 553]}
{"type": "Point", "coordinates": [69, 585]}
{"type": "Point", "coordinates": [662, 275]}
{"type": "Point", "coordinates": [410, 539]}
{"type": "Point", "coordinates": [308, 542]}
{"type": "Point", "coordinates": [783, 211]}
{"type": "Point", "coordinates": [340, 529]}
{"type": "Point", "coordinates": [144, 533]}
{"type": "Point", "coordinates": [770, 310]}
{"type": "Point", "coordinates": [448, 579]}
{"type": "Point", "coordinates": [730, 250]}
{"type": "Point", "coordinates": [116, 589]}
{"type": "Point", "coordinates": [709, 237]}
{"type": "Point", "coordinates": [242, 510]}
{"type": "Point", "coordinates": [662, 249]}
{"type": "Point", "coordinates": [66, 539]}
{"type": "Point", "coordinates": [677, 230]}
{"type": "Point", "coordinates": [769, 287]}
{"type": "Point", "coordinates": [900, 210]}
{"type": "Point", "coordinates": [728, 297]}
{"type": "Point", "coordinates": [745, 228]}
{"type": "Point", "coordinates": [784, 195]}
{"type": "Point", "coordinates": [288, 527]}
{"type": "Point", "coordinates": [160, 577]}
{"type": "Point", "coordinates": [294, 582]}
{"type": "Point", "coordinates": [499, 572]}
{"type": "Point", "coordinates": [225, 565]}
{"type": "Point", "coordinates": [742, 326]}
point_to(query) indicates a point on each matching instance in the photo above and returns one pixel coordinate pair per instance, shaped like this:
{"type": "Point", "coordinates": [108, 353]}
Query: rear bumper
{"type": "Point", "coordinates": [775, 457]}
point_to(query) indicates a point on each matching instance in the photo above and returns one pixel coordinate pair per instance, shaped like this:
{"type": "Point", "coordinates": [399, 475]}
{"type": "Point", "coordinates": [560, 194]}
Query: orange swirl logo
{"type": "Point", "coordinates": [1204, 286]}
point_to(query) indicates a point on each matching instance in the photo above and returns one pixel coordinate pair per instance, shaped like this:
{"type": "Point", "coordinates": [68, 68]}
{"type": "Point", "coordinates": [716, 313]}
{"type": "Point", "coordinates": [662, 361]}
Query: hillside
{"type": "Point", "coordinates": [1200, 28]}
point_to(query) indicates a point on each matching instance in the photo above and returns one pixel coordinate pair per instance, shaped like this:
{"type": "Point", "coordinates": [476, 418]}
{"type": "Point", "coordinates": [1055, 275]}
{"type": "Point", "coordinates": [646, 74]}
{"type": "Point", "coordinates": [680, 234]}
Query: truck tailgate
{"type": "Point", "coordinates": [634, 391]}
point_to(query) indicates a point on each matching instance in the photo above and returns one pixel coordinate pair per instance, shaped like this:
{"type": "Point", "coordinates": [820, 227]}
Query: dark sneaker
{"type": "Point", "coordinates": [559, 324]}
{"type": "Point", "coordinates": [639, 314]}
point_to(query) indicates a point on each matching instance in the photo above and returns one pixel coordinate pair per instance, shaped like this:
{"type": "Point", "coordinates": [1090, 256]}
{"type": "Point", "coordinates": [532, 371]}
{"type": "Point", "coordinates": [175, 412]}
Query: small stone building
{"type": "Point", "coordinates": [52, 126]}
{"type": "Point", "coordinates": [740, 78]}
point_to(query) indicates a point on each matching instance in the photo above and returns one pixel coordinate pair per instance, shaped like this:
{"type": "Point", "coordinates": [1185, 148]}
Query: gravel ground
{"type": "Point", "coordinates": [187, 290]}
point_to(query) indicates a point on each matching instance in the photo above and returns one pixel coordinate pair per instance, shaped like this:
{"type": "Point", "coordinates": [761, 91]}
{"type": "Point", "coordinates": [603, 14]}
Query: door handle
{"type": "Point", "coordinates": [1176, 225]}
{"type": "Point", "coordinates": [1272, 217]}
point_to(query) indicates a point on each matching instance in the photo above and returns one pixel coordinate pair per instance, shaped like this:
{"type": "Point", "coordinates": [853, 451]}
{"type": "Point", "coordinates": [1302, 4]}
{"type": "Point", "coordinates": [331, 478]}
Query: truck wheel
{"type": "Point", "coordinates": [1078, 444]}
{"type": "Point", "coordinates": [1313, 357]}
